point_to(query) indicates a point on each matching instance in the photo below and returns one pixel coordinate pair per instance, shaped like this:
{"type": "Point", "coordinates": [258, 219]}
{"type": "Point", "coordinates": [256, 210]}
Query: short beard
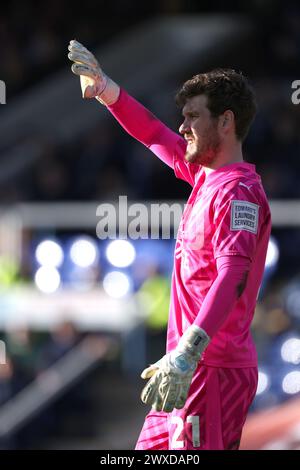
{"type": "Point", "coordinates": [207, 153]}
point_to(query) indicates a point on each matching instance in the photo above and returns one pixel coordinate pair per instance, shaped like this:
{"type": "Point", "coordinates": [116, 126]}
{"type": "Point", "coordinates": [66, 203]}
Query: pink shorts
{"type": "Point", "coordinates": [213, 416]}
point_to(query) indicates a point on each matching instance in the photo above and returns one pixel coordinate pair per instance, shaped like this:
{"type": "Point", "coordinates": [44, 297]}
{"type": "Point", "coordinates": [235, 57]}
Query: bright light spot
{"type": "Point", "coordinates": [49, 253]}
{"type": "Point", "coordinates": [84, 252]}
{"type": "Point", "coordinates": [47, 279]}
{"type": "Point", "coordinates": [291, 382]}
{"type": "Point", "coordinates": [272, 253]}
{"type": "Point", "coordinates": [290, 351]}
{"type": "Point", "coordinates": [116, 284]}
{"type": "Point", "coordinates": [263, 382]}
{"type": "Point", "coordinates": [120, 253]}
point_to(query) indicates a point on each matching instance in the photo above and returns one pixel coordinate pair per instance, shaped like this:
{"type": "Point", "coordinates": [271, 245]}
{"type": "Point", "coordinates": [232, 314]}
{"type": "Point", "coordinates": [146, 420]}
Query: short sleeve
{"type": "Point", "coordinates": [237, 219]}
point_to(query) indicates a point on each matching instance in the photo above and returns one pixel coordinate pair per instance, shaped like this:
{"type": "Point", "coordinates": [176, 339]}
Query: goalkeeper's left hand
{"type": "Point", "coordinates": [172, 375]}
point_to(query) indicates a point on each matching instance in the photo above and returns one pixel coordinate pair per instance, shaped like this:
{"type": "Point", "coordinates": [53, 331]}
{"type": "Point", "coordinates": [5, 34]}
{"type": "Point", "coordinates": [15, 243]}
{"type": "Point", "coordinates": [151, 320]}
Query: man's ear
{"type": "Point", "coordinates": [227, 120]}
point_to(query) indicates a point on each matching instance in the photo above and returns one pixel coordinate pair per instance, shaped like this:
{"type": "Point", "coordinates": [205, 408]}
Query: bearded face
{"type": "Point", "coordinates": [200, 131]}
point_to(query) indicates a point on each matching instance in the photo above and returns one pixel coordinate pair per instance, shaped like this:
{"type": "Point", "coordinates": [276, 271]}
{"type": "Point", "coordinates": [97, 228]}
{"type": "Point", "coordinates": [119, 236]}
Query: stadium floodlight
{"type": "Point", "coordinates": [116, 284]}
{"type": "Point", "coordinates": [290, 350]}
{"type": "Point", "coordinates": [263, 382]}
{"type": "Point", "coordinates": [272, 253]}
{"type": "Point", "coordinates": [49, 253]}
{"type": "Point", "coordinates": [291, 382]}
{"type": "Point", "coordinates": [120, 253]}
{"type": "Point", "coordinates": [84, 252]}
{"type": "Point", "coordinates": [47, 279]}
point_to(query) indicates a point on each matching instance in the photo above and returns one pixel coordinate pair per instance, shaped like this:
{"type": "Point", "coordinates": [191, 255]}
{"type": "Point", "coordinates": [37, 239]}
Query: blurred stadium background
{"type": "Point", "coordinates": [79, 316]}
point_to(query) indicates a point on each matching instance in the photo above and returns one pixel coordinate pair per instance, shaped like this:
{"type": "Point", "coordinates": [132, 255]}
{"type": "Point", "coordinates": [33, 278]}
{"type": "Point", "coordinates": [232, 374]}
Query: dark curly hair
{"type": "Point", "coordinates": [225, 89]}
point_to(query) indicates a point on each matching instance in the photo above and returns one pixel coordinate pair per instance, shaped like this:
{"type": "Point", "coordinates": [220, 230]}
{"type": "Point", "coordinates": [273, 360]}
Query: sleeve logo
{"type": "Point", "coordinates": [244, 216]}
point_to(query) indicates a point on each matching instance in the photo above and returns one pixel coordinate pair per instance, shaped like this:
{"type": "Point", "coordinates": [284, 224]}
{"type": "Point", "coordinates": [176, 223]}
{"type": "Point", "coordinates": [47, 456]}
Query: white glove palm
{"type": "Point", "coordinates": [172, 375]}
{"type": "Point", "coordinates": [94, 83]}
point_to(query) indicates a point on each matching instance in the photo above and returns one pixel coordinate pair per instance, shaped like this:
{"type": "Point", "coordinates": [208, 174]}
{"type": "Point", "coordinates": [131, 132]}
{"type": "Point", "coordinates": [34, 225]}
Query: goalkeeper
{"type": "Point", "coordinates": [201, 390]}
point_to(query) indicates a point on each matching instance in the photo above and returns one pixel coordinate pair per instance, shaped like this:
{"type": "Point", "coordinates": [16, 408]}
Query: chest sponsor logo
{"type": "Point", "coordinates": [244, 216]}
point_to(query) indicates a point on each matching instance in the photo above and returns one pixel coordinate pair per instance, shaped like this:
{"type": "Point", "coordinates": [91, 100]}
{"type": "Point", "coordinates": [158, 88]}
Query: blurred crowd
{"type": "Point", "coordinates": [29, 354]}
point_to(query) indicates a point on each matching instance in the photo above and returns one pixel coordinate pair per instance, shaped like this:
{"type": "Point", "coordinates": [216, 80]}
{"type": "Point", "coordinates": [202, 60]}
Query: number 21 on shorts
{"type": "Point", "coordinates": [178, 443]}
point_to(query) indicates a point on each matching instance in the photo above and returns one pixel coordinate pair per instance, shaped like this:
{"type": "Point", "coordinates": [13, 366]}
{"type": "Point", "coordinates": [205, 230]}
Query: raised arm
{"type": "Point", "coordinates": [133, 117]}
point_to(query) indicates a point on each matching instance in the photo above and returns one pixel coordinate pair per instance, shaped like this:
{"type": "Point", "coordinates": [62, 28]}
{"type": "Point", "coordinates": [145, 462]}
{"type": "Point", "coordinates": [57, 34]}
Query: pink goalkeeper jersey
{"type": "Point", "coordinates": [227, 213]}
